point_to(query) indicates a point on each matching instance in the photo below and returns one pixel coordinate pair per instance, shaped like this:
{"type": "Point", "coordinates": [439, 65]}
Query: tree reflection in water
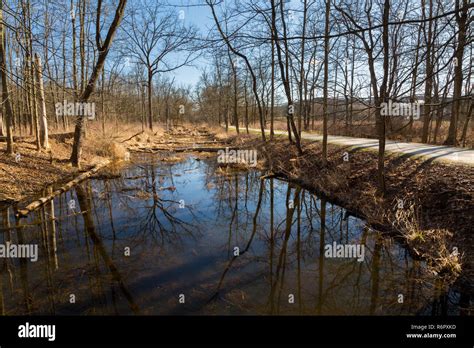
{"type": "Point", "coordinates": [280, 231]}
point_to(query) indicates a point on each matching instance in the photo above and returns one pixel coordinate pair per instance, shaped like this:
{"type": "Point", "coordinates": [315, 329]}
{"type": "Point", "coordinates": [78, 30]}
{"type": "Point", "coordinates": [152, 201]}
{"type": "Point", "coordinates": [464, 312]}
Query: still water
{"type": "Point", "coordinates": [166, 238]}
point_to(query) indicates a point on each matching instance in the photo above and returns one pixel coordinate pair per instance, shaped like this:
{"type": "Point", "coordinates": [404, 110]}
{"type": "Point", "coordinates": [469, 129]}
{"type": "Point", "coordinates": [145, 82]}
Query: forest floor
{"type": "Point", "coordinates": [29, 171]}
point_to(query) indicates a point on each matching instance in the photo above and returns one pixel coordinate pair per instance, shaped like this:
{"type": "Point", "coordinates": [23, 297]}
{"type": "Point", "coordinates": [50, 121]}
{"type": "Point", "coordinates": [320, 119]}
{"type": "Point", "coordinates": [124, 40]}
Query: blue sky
{"type": "Point", "coordinates": [196, 12]}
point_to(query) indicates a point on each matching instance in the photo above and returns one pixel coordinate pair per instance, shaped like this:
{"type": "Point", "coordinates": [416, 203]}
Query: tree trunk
{"type": "Point", "coordinates": [285, 76]}
{"type": "Point", "coordinates": [272, 106]}
{"type": "Point", "coordinates": [466, 124]}
{"type": "Point", "coordinates": [234, 75]}
{"type": "Point", "coordinates": [8, 116]}
{"type": "Point", "coordinates": [383, 97]}
{"type": "Point", "coordinates": [429, 75]}
{"type": "Point", "coordinates": [150, 98]}
{"type": "Point", "coordinates": [461, 19]}
{"type": "Point", "coordinates": [325, 86]}
{"type": "Point", "coordinates": [103, 51]}
{"type": "Point", "coordinates": [43, 121]}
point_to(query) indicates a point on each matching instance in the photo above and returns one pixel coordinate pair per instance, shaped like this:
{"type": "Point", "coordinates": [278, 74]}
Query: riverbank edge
{"type": "Point", "coordinates": [433, 244]}
{"type": "Point", "coordinates": [37, 203]}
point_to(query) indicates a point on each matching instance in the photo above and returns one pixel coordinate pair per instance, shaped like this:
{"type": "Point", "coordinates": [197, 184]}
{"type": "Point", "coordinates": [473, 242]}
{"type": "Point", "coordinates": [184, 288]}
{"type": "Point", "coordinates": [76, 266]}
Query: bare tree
{"type": "Point", "coordinates": [5, 93]}
{"type": "Point", "coordinates": [210, 3]}
{"type": "Point", "coordinates": [154, 38]}
{"type": "Point", "coordinates": [285, 71]}
{"type": "Point", "coordinates": [462, 17]}
{"type": "Point", "coordinates": [380, 93]}
{"type": "Point", "coordinates": [326, 80]}
{"type": "Point", "coordinates": [103, 49]}
{"type": "Point", "coordinates": [43, 121]}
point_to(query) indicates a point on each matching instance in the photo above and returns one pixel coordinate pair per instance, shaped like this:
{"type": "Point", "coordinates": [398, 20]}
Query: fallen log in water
{"type": "Point", "coordinates": [38, 203]}
{"type": "Point", "coordinates": [133, 136]}
{"type": "Point", "coordinates": [184, 149]}
{"type": "Point", "coordinates": [189, 142]}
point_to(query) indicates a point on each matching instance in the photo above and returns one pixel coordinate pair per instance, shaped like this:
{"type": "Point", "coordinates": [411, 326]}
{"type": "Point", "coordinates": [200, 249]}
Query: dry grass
{"type": "Point", "coordinates": [118, 151]}
{"type": "Point", "coordinates": [173, 159]}
{"type": "Point", "coordinates": [106, 145]}
{"type": "Point", "coordinates": [430, 244]}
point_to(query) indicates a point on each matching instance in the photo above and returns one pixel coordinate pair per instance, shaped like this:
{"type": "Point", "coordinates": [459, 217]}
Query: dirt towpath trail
{"type": "Point", "coordinates": [445, 154]}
